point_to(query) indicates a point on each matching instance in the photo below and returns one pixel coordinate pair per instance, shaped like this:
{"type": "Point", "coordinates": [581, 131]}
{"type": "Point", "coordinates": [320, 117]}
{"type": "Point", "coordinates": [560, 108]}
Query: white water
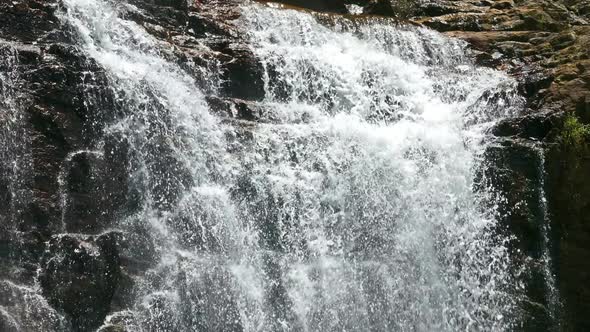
{"type": "Point", "coordinates": [352, 206]}
{"type": "Point", "coordinates": [552, 298]}
{"type": "Point", "coordinates": [22, 308]}
{"type": "Point", "coordinates": [14, 149]}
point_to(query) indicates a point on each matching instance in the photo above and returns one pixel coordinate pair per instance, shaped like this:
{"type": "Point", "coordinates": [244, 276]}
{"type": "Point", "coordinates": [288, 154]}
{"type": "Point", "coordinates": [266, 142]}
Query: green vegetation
{"type": "Point", "coordinates": [575, 134]}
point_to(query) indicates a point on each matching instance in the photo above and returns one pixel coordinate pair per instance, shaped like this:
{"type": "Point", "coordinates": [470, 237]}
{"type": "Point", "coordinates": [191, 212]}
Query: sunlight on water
{"type": "Point", "coordinates": [377, 130]}
{"type": "Point", "coordinates": [22, 308]}
{"type": "Point", "coordinates": [351, 209]}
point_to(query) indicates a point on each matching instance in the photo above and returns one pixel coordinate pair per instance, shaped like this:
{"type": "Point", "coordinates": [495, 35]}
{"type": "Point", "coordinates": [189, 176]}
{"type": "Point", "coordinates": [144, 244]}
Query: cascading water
{"type": "Point", "coordinates": [554, 305]}
{"type": "Point", "coordinates": [367, 165]}
{"type": "Point", "coordinates": [351, 207]}
{"type": "Point", "coordinates": [14, 150]}
{"type": "Point", "coordinates": [22, 308]}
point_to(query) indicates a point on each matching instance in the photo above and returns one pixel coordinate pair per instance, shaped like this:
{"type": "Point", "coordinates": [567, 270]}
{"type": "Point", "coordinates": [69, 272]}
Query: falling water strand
{"type": "Point", "coordinates": [14, 147]}
{"type": "Point", "coordinates": [22, 308]}
{"type": "Point", "coordinates": [552, 292]}
{"type": "Point", "coordinates": [183, 227]}
{"type": "Point", "coordinates": [351, 207]}
{"type": "Point", "coordinates": [366, 173]}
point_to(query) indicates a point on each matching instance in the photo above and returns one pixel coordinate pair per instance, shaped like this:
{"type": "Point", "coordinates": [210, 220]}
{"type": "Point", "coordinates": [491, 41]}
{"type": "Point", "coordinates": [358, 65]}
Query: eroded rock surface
{"type": "Point", "coordinates": [79, 277]}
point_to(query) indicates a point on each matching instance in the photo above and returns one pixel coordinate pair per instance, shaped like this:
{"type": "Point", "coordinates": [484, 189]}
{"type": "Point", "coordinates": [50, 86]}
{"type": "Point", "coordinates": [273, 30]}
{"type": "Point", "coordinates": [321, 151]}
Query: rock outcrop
{"type": "Point", "coordinates": [79, 277]}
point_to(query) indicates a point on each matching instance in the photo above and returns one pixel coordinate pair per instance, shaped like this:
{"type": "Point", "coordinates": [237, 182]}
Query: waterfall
{"type": "Point", "coordinates": [22, 308]}
{"type": "Point", "coordinates": [14, 150]}
{"type": "Point", "coordinates": [552, 298]}
{"type": "Point", "coordinates": [350, 207]}
{"type": "Point", "coordinates": [368, 158]}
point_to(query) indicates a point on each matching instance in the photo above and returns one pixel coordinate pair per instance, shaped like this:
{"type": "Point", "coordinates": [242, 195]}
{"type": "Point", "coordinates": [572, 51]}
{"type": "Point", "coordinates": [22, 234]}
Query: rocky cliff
{"type": "Point", "coordinates": [63, 102]}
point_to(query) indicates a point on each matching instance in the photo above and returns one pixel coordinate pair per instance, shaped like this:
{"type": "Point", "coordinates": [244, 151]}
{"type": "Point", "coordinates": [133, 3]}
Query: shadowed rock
{"type": "Point", "coordinates": [79, 277]}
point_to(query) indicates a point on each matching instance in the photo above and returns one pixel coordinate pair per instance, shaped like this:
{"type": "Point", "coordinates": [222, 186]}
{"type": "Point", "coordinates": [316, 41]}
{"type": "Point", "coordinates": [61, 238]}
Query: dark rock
{"type": "Point", "coordinates": [23, 308]}
{"type": "Point", "coordinates": [503, 4]}
{"type": "Point", "coordinates": [93, 189]}
{"type": "Point", "coordinates": [533, 83]}
{"type": "Point", "coordinates": [514, 171]}
{"type": "Point", "coordinates": [379, 7]}
{"type": "Point", "coordinates": [176, 4]}
{"type": "Point", "coordinates": [201, 25]}
{"type": "Point", "coordinates": [234, 108]}
{"type": "Point", "coordinates": [535, 126]}
{"type": "Point", "coordinates": [27, 21]}
{"type": "Point", "coordinates": [79, 277]}
{"type": "Point", "coordinates": [435, 8]}
{"type": "Point", "coordinates": [242, 72]}
{"type": "Point", "coordinates": [568, 190]}
{"type": "Point", "coordinates": [20, 252]}
{"type": "Point", "coordinates": [333, 6]}
{"type": "Point", "coordinates": [67, 96]}
{"type": "Point", "coordinates": [169, 14]}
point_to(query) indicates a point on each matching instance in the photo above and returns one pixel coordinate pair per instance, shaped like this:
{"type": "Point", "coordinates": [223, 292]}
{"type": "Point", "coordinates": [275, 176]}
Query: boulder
{"type": "Point", "coordinates": [22, 308]}
{"type": "Point", "coordinates": [79, 276]}
{"type": "Point", "coordinates": [380, 7]}
{"type": "Point", "coordinates": [93, 188]}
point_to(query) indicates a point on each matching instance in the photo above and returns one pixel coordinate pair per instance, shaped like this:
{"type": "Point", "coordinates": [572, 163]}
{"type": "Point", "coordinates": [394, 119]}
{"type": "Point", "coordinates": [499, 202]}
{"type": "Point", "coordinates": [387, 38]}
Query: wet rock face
{"type": "Point", "coordinates": [23, 309]}
{"type": "Point", "coordinates": [28, 20]}
{"type": "Point", "coordinates": [78, 175]}
{"type": "Point", "coordinates": [95, 187]}
{"type": "Point", "coordinates": [79, 277]}
{"type": "Point", "coordinates": [569, 203]}
{"type": "Point", "coordinates": [514, 169]}
{"type": "Point", "coordinates": [242, 73]}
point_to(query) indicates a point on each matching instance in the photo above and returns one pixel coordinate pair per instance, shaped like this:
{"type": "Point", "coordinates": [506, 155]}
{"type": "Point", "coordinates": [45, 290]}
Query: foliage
{"type": "Point", "coordinates": [574, 133]}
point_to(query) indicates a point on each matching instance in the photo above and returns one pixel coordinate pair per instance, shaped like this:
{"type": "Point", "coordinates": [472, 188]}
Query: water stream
{"type": "Point", "coordinates": [22, 307]}
{"type": "Point", "coordinates": [350, 205]}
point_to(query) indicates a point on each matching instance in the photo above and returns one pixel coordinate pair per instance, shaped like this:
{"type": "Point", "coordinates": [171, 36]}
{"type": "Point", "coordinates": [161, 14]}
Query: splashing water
{"type": "Point", "coordinates": [378, 131]}
{"type": "Point", "coordinates": [554, 305]}
{"type": "Point", "coordinates": [22, 308]}
{"type": "Point", "coordinates": [352, 206]}
{"type": "Point", "coordinates": [14, 150]}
